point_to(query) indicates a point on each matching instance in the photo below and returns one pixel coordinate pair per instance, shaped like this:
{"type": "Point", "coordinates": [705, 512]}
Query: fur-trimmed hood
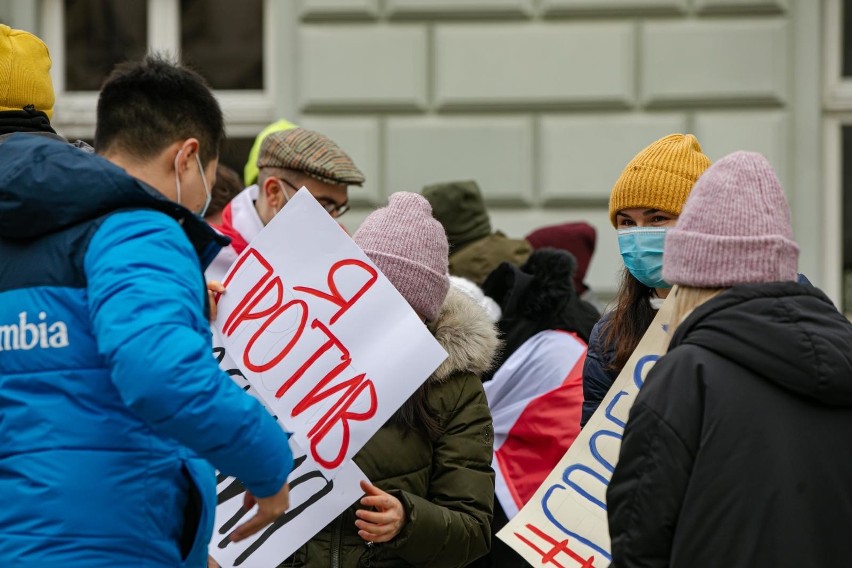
{"type": "Point", "coordinates": [465, 332]}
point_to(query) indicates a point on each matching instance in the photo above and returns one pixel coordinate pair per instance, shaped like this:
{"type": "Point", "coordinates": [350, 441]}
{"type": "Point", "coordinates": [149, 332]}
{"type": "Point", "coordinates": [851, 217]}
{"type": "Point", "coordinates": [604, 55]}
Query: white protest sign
{"type": "Point", "coordinates": [565, 523]}
{"type": "Point", "coordinates": [310, 328]}
{"type": "Point", "coordinates": [325, 339]}
{"type": "Point", "coordinates": [314, 500]}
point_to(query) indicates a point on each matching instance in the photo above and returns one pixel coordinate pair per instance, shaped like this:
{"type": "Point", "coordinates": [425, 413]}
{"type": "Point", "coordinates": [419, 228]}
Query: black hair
{"type": "Point", "coordinates": [146, 105]}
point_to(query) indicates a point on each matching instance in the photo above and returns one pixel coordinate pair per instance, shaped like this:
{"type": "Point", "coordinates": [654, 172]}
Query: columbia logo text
{"type": "Point", "coordinates": [25, 335]}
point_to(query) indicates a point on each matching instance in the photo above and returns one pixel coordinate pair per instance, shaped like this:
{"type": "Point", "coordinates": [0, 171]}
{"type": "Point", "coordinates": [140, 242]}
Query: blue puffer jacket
{"type": "Point", "coordinates": [111, 405]}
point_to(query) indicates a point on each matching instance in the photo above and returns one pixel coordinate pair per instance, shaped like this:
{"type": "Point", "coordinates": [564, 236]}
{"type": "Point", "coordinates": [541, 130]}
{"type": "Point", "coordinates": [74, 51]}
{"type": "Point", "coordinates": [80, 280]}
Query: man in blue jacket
{"type": "Point", "coordinates": [112, 408]}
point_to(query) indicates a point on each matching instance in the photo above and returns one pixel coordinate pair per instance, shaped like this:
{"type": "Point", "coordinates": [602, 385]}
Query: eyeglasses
{"type": "Point", "coordinates": [329, 205]}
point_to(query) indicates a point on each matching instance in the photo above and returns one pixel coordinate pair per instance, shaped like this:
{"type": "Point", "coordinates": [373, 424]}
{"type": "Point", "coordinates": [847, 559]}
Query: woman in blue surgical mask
{"type": "Point", "coordinates": [645, 201]}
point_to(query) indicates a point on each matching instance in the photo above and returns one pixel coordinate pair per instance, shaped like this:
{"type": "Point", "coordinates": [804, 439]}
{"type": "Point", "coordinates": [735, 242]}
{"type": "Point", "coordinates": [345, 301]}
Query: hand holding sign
{"type": "Point", "coordinates": [214, 289]}
{"type": "Point", "coordinates": [385, 521]}
{"type": "Point", "coordinates": [268, 509]}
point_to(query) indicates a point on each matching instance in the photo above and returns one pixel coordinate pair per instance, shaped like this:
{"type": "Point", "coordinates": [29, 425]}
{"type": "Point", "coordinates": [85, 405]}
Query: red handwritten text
{"type": "Point", "coordinates": [264, 305]}
{"type": "Point", "coordinates": [557, 547]}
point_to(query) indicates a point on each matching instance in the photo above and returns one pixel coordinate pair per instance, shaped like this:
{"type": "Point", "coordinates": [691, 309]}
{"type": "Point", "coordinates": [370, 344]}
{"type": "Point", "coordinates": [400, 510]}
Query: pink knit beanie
{"type": "Point", "coordinates": [410, 248]}
{"type": "Point", "coordinates": [734, 229]}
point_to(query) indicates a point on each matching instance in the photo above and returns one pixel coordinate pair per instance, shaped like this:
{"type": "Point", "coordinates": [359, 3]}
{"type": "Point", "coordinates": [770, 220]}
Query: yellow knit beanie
{"type": "Point", "coordinates": [24, 72]}
{"type": "Point", "coordinates": [660, 176]}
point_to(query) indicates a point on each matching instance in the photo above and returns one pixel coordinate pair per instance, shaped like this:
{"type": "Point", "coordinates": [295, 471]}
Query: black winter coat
{"type": "Point", "coordinates": [537, 296]}
{"type": "Point", "coordinates": [738, 450]}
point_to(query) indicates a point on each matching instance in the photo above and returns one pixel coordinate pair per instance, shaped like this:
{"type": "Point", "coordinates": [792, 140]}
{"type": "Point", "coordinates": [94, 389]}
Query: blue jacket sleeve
{"type": "Point", "coordinates": [146, 303]}
{"type": "Point", "coordinates": [596, 378]}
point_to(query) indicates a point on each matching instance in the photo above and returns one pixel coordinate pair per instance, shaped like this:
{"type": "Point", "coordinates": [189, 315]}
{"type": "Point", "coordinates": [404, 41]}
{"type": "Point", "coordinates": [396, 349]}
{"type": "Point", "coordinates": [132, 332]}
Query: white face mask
{"type": "Point", "coordinates": [203, 181]}
{"type": "Point", "coordinates": [206, 187]}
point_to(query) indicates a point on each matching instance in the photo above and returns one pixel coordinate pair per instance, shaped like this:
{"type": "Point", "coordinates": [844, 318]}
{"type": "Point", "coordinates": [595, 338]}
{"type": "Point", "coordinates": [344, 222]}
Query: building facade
{"type": "Point", "coordinates": [542, 102]}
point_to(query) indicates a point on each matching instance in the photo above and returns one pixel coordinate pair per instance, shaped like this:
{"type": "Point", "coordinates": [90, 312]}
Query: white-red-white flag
{"type": "Point", "coordinates": [536, 399]}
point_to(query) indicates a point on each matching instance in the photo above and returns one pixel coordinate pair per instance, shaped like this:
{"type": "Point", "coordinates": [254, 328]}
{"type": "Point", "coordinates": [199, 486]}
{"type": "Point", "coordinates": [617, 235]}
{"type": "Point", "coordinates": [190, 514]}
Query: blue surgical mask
{"type": "Point", "coordinates": [642, 251]}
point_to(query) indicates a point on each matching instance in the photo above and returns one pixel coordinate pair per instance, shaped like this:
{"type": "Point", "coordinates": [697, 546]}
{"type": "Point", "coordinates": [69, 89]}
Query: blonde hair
{"type": "Point", "coordinates": [686, 300]}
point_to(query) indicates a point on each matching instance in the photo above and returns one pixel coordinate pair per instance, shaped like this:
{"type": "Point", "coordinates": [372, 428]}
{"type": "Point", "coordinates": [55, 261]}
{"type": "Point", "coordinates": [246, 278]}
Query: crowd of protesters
{"type": "Point", "coordinates": [736, 451]}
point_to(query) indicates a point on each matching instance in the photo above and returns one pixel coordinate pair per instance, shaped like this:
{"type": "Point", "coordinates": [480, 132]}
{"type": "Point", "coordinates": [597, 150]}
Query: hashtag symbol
{"type": "Point", "coordinates": [557, 547]}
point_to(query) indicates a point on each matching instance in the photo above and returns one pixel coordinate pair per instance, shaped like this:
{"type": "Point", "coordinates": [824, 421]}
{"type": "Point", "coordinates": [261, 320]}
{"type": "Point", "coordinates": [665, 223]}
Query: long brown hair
{"type": "Point", "coordinates": [629, 320]}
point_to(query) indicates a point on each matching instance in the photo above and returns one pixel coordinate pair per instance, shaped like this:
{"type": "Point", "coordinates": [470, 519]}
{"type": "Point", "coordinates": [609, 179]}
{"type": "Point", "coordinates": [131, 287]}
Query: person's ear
{"type": "Point", "coordinates": [274, 193]}
{"type": "Point", "coordinates": [185, 156]}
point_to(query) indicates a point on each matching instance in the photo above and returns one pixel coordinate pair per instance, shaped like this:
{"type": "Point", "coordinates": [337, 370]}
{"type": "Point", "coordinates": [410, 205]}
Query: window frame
{"type": "Point", "coordinates": [837, 113]}
{"type": "Point", "coordinates": [245, 111]}
{"type": "Point", "coordinates": [832, 227]}
{"type": "Point", "coordinates": [838, 89]}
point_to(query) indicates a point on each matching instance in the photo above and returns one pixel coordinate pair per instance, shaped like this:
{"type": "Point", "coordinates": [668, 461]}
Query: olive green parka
{"type": "Point", "coordinates": [446, 485]}
{"type": "Point", "coordinates": [476, 260]}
